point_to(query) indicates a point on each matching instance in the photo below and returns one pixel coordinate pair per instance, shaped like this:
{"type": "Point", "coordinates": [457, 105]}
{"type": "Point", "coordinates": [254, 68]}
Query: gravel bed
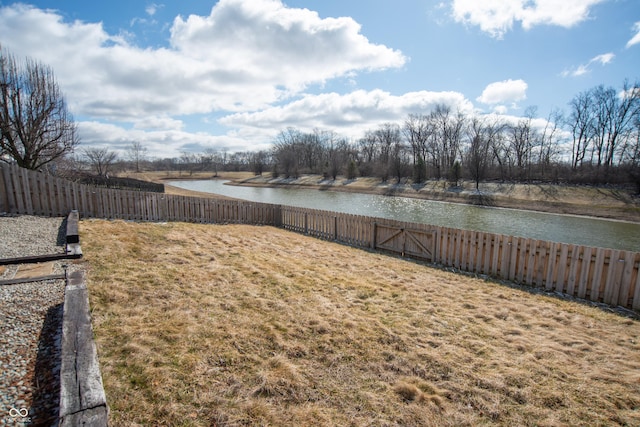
{"type": "Point", "coordinates": [30, 325]}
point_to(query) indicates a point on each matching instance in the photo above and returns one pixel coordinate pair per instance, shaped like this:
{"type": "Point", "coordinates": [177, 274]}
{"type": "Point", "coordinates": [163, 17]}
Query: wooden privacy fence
{"type": "Point", "coordinates": [597, 274]}
{"type": "Point", "coordinates": [34, 193]}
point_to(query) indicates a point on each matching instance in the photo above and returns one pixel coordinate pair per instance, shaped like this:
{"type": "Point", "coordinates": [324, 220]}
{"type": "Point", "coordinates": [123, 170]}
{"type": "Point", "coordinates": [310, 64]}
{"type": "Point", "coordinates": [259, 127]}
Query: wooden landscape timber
{"type": "Point", "coordinates": [595, 274]}
{"type": "Point", "coordinates": [82, 397]}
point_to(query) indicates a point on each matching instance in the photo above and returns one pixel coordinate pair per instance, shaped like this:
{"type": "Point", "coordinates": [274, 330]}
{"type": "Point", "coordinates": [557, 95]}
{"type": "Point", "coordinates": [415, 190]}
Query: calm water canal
{"type": "Point", "coordinates": [536, 225]}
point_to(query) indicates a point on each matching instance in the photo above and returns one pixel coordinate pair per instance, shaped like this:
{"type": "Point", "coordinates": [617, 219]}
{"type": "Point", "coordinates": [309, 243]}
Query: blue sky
{"type": "Point", "coordinates": [195, 75]}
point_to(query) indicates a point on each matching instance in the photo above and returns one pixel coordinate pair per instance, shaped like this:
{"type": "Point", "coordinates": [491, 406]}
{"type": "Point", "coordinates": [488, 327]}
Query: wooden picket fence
{"type": "Point", "coordinates": [597, 274]}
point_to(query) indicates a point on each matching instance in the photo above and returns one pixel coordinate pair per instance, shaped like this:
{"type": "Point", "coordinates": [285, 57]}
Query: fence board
{"type": "Point", "coordinates": [513, 262]}
{"type": "Point", "coordinates": [4, 197]}
{"type": "Point", "coordinates": [584, 272]}
{"type": "Point", "coordinates": [597, 275]}
{"type": "Point", "coordinates": [17, 192]}
{"type": "Point", "coordinates": [28, 205]}
{"type": "Point", "coordinates": [541, 263]}
{"type": "Point", "coordinates": [573, 269]}
{"type": "Point", "coordinates": [636, 294]}
{"type": "Point", "coordinates": [562, 264]}
{"type": "Point", "coordinates": [497, 244]}
{"type": "Point", "coordinates": [614, 270]}
{"type": "Point", "coordinates": [451, 247]}
{"type": "Point", "coordinates": [627, 277]}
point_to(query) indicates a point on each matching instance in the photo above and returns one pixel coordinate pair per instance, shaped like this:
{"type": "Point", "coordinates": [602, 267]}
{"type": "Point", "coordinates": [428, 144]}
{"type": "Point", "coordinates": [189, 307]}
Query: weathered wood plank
{"type": "Point", "coordinates": [522, 259]}
{"type": "Point", "coordinates": [596, 280]}
{"type": "Point", "coordinates": [584, 272]}
{"type": "Point", "coordinates": [611, 287]}
{"type": "Point", "coordinates": [17, 191]}
{"type": "Point", "coordinates": [562, 267]}
{"type": "Point", "coordinates": [36, 259]}
{"type": "Point", "coordinates": [464, 250]}
{"type": "Point", "coordinates": [72, 229]}
{"type": "Point", "coordinates": [497, 241]}
{"type": "Point", "coordinates": [636, 294]}
{"type": "Point", "coordinates": [26, 190]}
{"type": "Point", "coordinates": [610, 279]}
{"type": "Point", "coordinates": [516, 247]}
{"type": "Point", "coordinates": [552, 266]}
{"type": "Point", "coordinates": [541, 263]}
{"type": "Point", "coordinates": [573, 269]}
{"type": "Point", "coordinates": [32, 279]}
{"type": "Point", "coordinates": [531, 261]}
{"type": "Point", "coordinates": [81, 391]}
{"type": "Point", "coordinates": [625, 285]}
{"type": "Point", "coordinates": [4, 196]}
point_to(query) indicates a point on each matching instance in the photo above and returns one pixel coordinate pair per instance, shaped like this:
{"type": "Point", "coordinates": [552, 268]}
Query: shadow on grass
{"type": "Point", "coordinates": [45, 407]}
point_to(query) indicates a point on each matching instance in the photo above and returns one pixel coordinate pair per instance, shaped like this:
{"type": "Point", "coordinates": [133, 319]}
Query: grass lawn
{"type": "Point", "coordinates": [243, 325]}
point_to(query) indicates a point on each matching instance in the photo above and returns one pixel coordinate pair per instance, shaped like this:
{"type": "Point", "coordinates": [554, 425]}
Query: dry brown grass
{"type": "Point", "coordinates": [244, 325]}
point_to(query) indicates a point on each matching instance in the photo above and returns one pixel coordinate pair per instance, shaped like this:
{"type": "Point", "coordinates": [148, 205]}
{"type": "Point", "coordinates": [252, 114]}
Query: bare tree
{"type": "Point", "coordinates": [368, 149]}
{"type": "Point", "coordinates": [549, 141]}
{"type": "Point", "coordinates": [100, 159]}
{"type": "Point", "coordinates": [604, 111]}
{"type": "Point", "coordinates": [580, 121]}
{"type": "Point", "coordinates": [522, 137]}
{"type": "Point", "coordinates": [632, 156]}
{"type": "Point", "coordinates": [483, 135]}
{"type": "Point", "coordinates": [287, 152]}
{"type": "Point", "coordinates": [388, 140]}
{"type": "Point", "coordinates": [445, 141]}
{"type": "Point", "coordinates": [137, 153]}
{"type": "Point", "coordinates": [417, 130]}
{"type": "Point", "coordinates": [337, 155]}
{"type": "Point", "coordinates": [35, 126]}
{"type": "Point", "coordinates": [258, 161]}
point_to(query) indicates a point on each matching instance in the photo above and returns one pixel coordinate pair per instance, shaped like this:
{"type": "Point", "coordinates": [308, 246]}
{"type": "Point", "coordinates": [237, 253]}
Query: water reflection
{"type": "Point", "coordinates": [536, 225]}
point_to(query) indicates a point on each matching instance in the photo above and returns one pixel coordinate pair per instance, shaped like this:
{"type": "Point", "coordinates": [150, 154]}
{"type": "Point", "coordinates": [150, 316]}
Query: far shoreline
{"type": "Point", "coordinates": [582, 201]}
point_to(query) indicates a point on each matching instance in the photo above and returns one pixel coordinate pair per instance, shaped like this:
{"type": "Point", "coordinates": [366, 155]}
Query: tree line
{"type": "Point", "coordinates": [597, 141]}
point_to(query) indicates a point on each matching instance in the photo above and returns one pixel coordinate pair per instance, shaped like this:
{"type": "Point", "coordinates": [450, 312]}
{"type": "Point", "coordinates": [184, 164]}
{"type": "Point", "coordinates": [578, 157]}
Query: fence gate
{"type": "Point", "coordinates": [410, 242]}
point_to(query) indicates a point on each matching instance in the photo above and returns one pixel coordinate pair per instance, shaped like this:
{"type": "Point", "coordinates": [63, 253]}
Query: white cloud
{"type": "Point", "coordinates": [159, 143]}
{"type": "Point", "coordinates": [603, 59]}
{"type": "Point", "coordinates": [504, 92]}
{"type": "Point", "coordinates": [497, 17]}
{"type": "Point", "coordinates": [635, 39]}
{"type": "Point", "coordinates": [244, 56]}
{"type": "Point", "coordinates": [582, 69]}
{"type": "Point", "coordinates": [349, 115]}
{"type": "Point", "coordinates": [159, 123]}
{"type": "Point", "coordinates": [152, 8]}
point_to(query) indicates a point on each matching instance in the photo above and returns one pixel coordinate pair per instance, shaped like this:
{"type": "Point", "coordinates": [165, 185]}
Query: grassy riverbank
{"type": "Point", "coordinates": [577, 200]}
{"type": "Point", "coordinates": [244, 325]}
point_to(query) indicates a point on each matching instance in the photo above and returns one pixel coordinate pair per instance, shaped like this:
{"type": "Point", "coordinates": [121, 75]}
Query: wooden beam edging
{"type": "Point", "coordinates": [82, 397]}
{"type": "Point", "coordinates": [39, 258]}
{"type": "Point", "coordinates": [72, 240]}
{"type": "Point", "coordinates": [32, 279]}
